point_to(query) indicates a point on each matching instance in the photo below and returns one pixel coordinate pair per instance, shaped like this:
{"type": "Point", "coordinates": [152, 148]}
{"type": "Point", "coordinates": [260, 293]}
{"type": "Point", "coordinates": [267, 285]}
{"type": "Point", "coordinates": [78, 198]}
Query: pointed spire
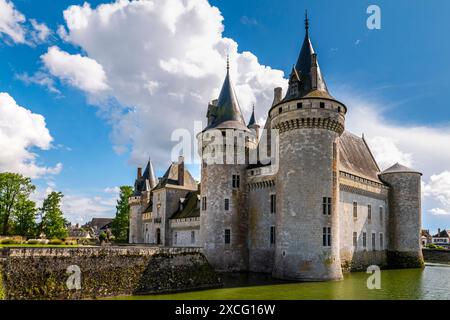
{"type": "Point", "coordinates": [149, 174]}
{"type": "Point", "coordinates": [306, 21]}
{"type": "Point", "coordinates": [252, 118]}
{"type": "Point", "coordinates": [307, 71]}
{"type": "Point", "coordinates": [228, 112]}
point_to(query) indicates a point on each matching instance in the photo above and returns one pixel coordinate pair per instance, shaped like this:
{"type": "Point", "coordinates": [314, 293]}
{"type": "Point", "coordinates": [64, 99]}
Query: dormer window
{"type": "Point", "coordinates": [322, 105]}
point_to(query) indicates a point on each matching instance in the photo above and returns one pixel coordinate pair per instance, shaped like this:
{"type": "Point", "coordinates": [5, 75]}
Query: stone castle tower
{"type": "Point", "coordinates": [224, 145]}
{"type": "Point", "coordinates": [310, 122]}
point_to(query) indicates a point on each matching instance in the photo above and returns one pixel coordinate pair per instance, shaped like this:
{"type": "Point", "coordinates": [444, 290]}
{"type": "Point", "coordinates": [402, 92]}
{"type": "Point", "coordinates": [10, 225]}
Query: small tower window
{"type": "Point", "coordinates": [192, 237]}
{"type": "Point", "coordinates": [326, 206]}
{"type": "Point", "coordinates": [204, 203]}
{"type": "Point", "coordinates": [364, 239]}
{"type": "Point", "coordinates": [236, 181]}
{"type": "Point", "coordinates": [273, 203]}
{"type": "Point", "coordinates": [381, 241]}
{"type": "Point", "coordinates": [355, 210]}
{"type": "Point", "coordinates": [227, 204]}
{"type": "Point", "coordinates": [339, 109]}
{"type": "Point", "coordinates": [175, 238]}
{"type": "Point", "coordinates": [369, 212]}
{"type": "Point", "coordinates": [326, 238]}
{"type": "Point", "coordinates": [355, 239]}
{"type": "Point", "coordinates": [374, 244]}
{"type": "Point", "coordinates": [227, 236]}
{"type": "Point", "coordinates": [299, 105]}
{"type": "Point", "coordinates": [272, 235]}
{"type": "Point", "coordinates": [280, 110]}
{"type": "Point", "coordinates": [322, 105]}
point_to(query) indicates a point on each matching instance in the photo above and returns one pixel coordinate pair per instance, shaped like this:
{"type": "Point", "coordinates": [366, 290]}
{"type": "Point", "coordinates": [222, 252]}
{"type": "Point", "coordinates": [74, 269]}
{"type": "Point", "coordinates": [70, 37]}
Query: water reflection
{"type": "Point", "coordinates": [433, 282]}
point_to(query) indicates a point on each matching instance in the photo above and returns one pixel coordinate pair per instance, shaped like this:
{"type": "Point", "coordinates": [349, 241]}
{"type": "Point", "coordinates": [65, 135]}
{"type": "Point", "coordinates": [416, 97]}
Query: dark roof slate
{"type": "Point", "coordinates": [356, 158]}
{"type": "Point", "coordinates": [191, 208]}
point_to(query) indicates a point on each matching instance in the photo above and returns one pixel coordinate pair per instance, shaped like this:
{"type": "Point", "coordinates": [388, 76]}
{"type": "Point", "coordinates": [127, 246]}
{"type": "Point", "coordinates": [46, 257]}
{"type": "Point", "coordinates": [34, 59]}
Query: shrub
{"type": "Point", "coordinates": [102, 236]}
{"type": "Point", "coordinates": [9, 241]}
{"type": "Point", "coordinates": [55, 242]}
{"type": "Point", "coordinates": [33, 241]}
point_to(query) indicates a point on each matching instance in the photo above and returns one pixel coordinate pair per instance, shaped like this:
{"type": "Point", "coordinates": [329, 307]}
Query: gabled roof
{"type": "Point", "coordinates": [442, 234]}
{"type": "Point", "coordinates": [190, 207]}
{"type": "Point", "coordinates": [170, 179]}
{"type": "Point", "coordinates": [356, 158]}
{"type": "Point", "coordinates": [227, 114]}
{"type": "Point", "coordinates": [99, 223]}
{"type": "Point", "coordinates": [398, 168]}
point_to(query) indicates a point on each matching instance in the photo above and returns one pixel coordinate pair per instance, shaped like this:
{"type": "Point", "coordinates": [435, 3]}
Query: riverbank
{"type": "Point", "coordinates": [430, 283]}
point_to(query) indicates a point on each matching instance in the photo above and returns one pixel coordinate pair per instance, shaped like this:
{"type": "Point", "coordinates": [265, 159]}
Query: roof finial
{"type": "Point", "coordinates": [228, 62]}
{"type": "Point", "coordinates": [306, 21]}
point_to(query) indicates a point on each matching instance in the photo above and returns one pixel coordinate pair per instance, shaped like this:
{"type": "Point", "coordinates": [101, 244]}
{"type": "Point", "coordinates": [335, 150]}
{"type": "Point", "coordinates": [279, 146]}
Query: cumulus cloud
{"type": "Point", "coordinates": [438, 188]}
{"type": "Point", "coordinates": [164, 60]}
{"type": "Point", "coordinates": [81, 72]}
{"type": "Point", "coordinates": [11, 22]}
{"type": "Point", "coordinates": [20, 131]}
{"type": "Point", "coordinates": [14, 27]}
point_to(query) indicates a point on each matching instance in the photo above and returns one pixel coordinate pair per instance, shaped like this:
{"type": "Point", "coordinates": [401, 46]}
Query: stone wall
{"type": "Point", "coordinates": [41, 273]}
{"type": "Point", "coordinates": [441, 256]}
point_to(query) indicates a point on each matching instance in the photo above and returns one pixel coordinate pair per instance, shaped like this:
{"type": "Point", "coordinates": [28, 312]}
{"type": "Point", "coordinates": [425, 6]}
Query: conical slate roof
{"type": "Point", "coordinates": [149, 174]}
{"type": "Point", "coordinates": [228, 113]}
{"type": "Point", "coordinates": [398, 168]}
{"type": "Point", "coordinates": [301, 73]}
{"type": "Point", "coordinates": [252, 118]}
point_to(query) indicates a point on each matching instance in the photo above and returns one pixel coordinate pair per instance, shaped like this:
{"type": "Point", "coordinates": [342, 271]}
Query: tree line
{"type": "Point", "coordinates": [19, 215]}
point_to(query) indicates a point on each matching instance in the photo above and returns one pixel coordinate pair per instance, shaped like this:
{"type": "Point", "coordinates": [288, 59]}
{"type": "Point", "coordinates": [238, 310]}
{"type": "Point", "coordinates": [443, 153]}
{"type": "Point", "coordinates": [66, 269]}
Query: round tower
{"type": "Point", "coordinates": [405, 216]}
{"type": "Point", "coordinates": [310, 122]}
{"type": "Point", "coordinates": [223, 147]}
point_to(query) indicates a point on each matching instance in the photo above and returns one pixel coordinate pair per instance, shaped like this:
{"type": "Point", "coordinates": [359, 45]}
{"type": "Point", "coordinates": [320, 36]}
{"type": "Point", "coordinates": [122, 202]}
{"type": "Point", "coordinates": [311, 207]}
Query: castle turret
{"type": "Point", "coordinates": [223, 147]}
{"type": "Point", "coordinates": [309, 121]}
{"type": "Point", "coordinates": [405, 216]}
{"type": "Point", "coordinates": [143, 185]}
{"type": "Point", "coordinates": [252, 125]}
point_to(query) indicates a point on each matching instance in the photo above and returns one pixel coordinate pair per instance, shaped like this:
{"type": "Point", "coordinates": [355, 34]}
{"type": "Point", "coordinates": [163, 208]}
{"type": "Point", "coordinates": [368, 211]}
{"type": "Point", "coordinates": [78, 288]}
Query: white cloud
{"type": "Point", "coordinates": [21, 130]}
{"type": "Point", "coordinates": [14, 27]}
{"type": "Point", "coordinates": [166, 59]}
{"type": "Point", "coordinates": [40, 31]}
{"type": "Point", "coordinates": [78, 208]}
{"type": "Point", "coordinates": [112, 190]}
{"type": "Point", "coordinates": [11, 22]}
{"type": "Point", "coordinates": [81, 72]}
{"type": "Point", "coordinates": [39, 78]}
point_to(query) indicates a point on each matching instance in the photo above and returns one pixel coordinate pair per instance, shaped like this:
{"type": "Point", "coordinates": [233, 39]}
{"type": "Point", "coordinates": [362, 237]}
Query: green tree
{"type": "Point", "coordinates": [53, 224]}
{"type": "Point", "coordinates": [14, 188]}
{"type": "Point", "coordinates": [25, 218]}
{"type": "Point", "coordinates": [121, 223]}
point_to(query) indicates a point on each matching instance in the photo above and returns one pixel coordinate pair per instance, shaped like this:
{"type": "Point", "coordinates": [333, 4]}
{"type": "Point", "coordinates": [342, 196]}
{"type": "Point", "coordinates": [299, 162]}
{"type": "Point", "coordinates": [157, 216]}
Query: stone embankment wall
{"type": "Point", "coordinates": [439, 256]}
{"type": "Point", "coordinates": [43, 273]}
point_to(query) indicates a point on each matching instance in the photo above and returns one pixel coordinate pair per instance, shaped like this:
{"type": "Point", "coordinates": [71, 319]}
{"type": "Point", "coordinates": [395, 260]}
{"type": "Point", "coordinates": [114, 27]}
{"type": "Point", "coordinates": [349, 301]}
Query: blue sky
{"type": "Point", "coordinates": [394, 80]}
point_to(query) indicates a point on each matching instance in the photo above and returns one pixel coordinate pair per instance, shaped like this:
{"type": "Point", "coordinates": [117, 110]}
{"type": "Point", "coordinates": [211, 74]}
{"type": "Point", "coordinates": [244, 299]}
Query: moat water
{"type": "Point", "coordinates": [432, 282]}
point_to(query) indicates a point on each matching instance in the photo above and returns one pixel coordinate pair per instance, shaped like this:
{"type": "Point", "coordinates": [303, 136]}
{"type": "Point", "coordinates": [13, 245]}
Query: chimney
{"type": "Point", "coordinates": [139, 173]}
{"type": "Point", "coordinates": [277, 95]}
{"type": "Point", "coordinates": [314, 71]}
{"type": "Point", "coordinates": [181, 170]}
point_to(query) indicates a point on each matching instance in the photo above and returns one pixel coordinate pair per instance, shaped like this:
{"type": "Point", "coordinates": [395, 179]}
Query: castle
{"type": "Point", "coordinates": [323, 207]}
